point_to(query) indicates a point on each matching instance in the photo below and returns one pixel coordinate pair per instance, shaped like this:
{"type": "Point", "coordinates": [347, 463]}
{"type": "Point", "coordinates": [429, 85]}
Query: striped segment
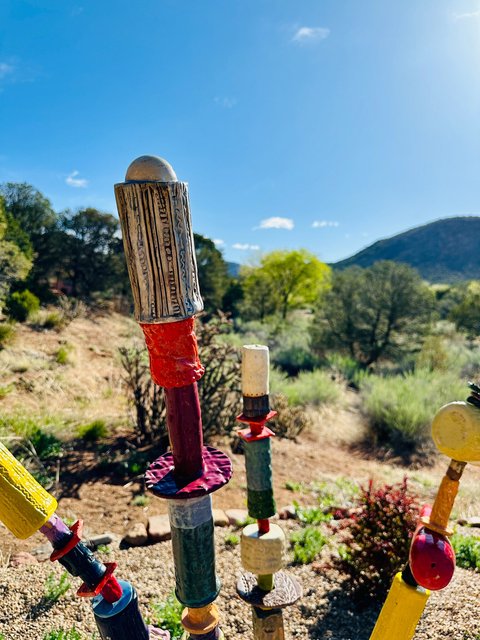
{"type": "Point", "coordinates": [158, 242]}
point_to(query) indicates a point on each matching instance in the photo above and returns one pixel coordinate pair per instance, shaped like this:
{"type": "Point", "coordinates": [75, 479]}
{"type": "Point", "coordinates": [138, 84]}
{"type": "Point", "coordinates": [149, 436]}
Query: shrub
{"type": "Point", "coordinates": [307, 544]}
{"type": "Point", "coordinates": [168, 615]}
{"type": "Point", "coordinates": [467, 551]}
{"type": "Point", "coordinates": [400, 408]}
{"type": "Point", "coordinates": [53, 320]}
{"type": "Point", "coordinates": [308, 388]}
{"type": "Point", "coordinates": [376, 537]}
{"type": "Point", "coordinates": [231, 540]}
{"type": "Point", "coordinates": [21, 304]}
{"type": "Point", "coordinates": [94, 431]}
{"type": "Point", "coordinates": [56, 587]}
{"type": "Point", "coordinates": [62, 355]}
{"type": "Point", "coordinates": [140, 501]}
{"type": "Point", "coordinates": [46, 445]}
{"type": "Point", "coordinates": [290, 421]}
{"type": "Point", "coordinates": [61, 634]}
{"type": "Point", "coordinates": [7, 333]}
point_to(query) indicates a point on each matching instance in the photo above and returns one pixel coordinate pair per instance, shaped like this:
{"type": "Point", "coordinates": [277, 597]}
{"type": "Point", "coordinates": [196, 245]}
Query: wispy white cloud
{"type": "Point", "coordinates": [6, 69]}
{"type": "Point", "coordinates": [73, 181]}
{"type": "Point", "coordinates": [225, 102]}
{"type": "Point", "coordinates": [308, 35]}
{"type": "Point", "coordinates": [466, 16]}
{"type": "Point", "coordinates": [241, 246]}
{"type": "Point", "coordinates": [218, 242]}
{"type": "Point", "coordinates": [320, 224]}
{"type": "Point", "coordinates": [275, 222]}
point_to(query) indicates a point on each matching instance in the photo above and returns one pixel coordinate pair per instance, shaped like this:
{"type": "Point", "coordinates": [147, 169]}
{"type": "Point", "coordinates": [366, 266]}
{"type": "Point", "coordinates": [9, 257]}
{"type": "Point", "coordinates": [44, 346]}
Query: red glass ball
{"type": "Point", "coordinates": [432, 559]}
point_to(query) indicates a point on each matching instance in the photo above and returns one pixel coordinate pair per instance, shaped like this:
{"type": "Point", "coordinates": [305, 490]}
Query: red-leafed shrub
{"type": "Point", "coordinates": [376, 537]}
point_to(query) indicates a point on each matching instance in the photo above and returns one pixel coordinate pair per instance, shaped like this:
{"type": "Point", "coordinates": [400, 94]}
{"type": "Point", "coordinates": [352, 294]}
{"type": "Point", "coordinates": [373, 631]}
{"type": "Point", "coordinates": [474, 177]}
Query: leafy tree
{"type": "Point", "coordinates": [14, 264]}
{"type": "Point", "coordinates": [91, 248]}
{"type": "Point", "coordinates": [284, 280]}
{"type": "Point", "coordinates": [379, 312]}
{"type": "Point", "coordinates": [212, 273]}
{"type": "Point", "coordinates": [466, 313]}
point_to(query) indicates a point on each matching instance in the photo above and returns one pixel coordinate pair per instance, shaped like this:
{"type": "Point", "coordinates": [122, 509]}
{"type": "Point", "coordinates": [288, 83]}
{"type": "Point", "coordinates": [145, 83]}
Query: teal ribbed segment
{"type": "Point", "coordinates": [258, 463]}
{"type": "Point", "coordinates": [261, 504]}
{"type": "Point", "coordinates": [194, 555]}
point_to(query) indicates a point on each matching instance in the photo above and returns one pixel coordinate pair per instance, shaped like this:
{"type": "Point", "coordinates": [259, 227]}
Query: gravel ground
{"type": "Point", "coordinates": [324, 611]}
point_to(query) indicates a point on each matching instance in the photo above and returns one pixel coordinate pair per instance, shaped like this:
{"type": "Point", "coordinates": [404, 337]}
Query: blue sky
{"type": "Point", "coordinates": [324, 124]}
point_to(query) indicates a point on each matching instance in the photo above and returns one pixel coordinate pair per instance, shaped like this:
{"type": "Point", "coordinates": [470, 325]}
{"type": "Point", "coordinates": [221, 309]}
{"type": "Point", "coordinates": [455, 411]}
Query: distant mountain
{"type": "Point", "coordinates": [447, 250]}
{"type": "Point", "coordinates": [233, 269]}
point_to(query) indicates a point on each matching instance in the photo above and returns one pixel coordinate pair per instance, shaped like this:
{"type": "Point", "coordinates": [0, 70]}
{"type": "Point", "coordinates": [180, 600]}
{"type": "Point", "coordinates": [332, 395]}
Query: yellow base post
{"type": "Point", "coordinates": [401, 612]}
{"type": "Point", "coordinates": [25, 506]}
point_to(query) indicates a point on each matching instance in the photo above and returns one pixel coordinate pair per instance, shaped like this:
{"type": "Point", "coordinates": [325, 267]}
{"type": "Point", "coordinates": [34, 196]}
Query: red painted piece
{"type": "Point", "coordinates": [77, 530]}
{"type": "Point", "coordinates": [108, 577]}
{"type": "Point", "coordinates": [173, 350]}
{"type": "Point", "coordinates": [257, 430]}
{"type": "Point", "coordinates": [112, 591]}
{"type": "Point", "coordinates": [432, 559]}
{"type": "Point", "coordinates": [263, 526]}
{"type": "Point", "coordinates": [184, 422]}
{"type": "Point", "coordinates": [161, 479]}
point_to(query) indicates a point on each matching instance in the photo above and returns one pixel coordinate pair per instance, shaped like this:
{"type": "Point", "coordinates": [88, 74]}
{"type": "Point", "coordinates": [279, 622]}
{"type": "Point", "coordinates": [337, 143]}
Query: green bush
{"type": "Point", "coordinates": [307, 544]}
{"type": "Point", "coordinates": [53, 320]}
{"type": "Point", "coordinates": [21, 304]}
{"type": "Point", "coordinates": [63, 354]}
{"type": "Point", "coordinates": [290, 421]}
{"type": "Point", "coordinates": [61, 634]}
{"type": "Point", "coordinates": [400, 408]}
{"type": "Point", "coordinates": [467, 551]}
{"type": "Point", "coordinates": [168, 615]}
{"type": "Point", "coordinates": [56, 587]}
{"type": "Point", "coordinates": [7, 333]}
{"type": "Point", "coordinates": [94, 431]}
{"type": "Point", "coordinates": [376, 537]}
{"type": "Point", "coordinates": [308, 388]}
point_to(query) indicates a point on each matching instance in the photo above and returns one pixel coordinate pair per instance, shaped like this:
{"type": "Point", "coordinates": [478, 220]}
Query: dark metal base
{"type": "Point", "coordinates": [286, 591]}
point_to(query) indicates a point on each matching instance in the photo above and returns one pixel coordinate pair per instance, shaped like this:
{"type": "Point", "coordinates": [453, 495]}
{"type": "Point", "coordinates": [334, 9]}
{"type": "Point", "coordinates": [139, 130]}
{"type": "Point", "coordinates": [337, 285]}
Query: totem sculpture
{"type": "Point", "coordinates": [25, 507]}
{"type": "Point", "coordinates": [265, 587]}
{"type": "Point", "coordinates": [431, 564]}
{"type": "Point", "coordinates": [155, 216]}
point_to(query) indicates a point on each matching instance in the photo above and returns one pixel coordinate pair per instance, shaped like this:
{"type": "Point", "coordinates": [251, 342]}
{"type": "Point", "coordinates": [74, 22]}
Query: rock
{"type": "Point", "coordinates": [220, 518]}
{"type": "Point", "coordinates": [21, 558]}
{"type": "Point", "coordinates": [102, 539]}
{"type": "Point", "coordinates": [288, 512]}
{"type": "Point", "coordinates": [236, 517]}
{"type": "Point", "coordinates": [159, 528]}
{"type": "Point", "coordinates": [474, 521]}
{"type": "Point", "coordinates": [137, 535]}
{"type": "Point", "coordinates": [43, 552]}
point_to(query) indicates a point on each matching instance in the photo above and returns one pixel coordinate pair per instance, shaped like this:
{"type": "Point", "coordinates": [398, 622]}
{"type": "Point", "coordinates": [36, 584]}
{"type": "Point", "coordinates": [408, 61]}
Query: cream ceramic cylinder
{"type": "Point", "coordinates": [263, 553]}
{"type": "Point", "coordinates": [255, 370]}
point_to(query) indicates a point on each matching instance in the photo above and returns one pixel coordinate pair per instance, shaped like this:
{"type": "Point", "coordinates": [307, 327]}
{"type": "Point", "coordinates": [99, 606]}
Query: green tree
{"type": "Point", "coordinates": [284, 280]}
{"type": "Point", "coordinates": [212, 273]}
{"type": "Point", "coordinates": [14, 264]}
{"type": "Point", "coordinates": [91, 252]}
{"type": "Point", "coordinates": [466, 313]}
{"type": "Point", "coordinates": [379, 312]}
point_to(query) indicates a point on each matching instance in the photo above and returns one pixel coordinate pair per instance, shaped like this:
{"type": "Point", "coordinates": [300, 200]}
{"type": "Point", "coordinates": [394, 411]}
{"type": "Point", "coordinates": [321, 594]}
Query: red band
{"type": "Point", "coordinates": [174, 360]}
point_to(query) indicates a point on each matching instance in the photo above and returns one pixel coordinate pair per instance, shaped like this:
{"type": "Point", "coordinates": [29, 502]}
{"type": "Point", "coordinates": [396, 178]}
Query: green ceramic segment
{"type": "Point", "coordinates": [194, 555]}
{"type": "Point", "coordinates": [261, 504]}
{"type": "Point", "coordinates": [258, 464]}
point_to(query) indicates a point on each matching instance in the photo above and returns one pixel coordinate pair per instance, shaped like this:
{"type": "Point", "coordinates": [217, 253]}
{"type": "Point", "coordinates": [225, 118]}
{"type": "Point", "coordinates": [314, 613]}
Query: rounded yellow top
{"type": "Point", "coordinates": [456, 431]}
{"type": "Point", "coordinates": [150, 169]}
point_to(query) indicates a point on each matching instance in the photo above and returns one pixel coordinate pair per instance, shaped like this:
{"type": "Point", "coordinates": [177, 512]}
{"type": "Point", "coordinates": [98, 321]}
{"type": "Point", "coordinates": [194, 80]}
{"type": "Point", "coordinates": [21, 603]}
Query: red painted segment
{"type": "Point", "coordinates": [184, 421]}
{"type": "Point", "coordinates": [257, 429]}
{"type": "Point", "coordinates": [112, 591]}
{"type": "Point", "coordinates": [173, 350]}
{"type": "Point", "coordinates": [86, 592]}
{"type": "Point", "coordinates": [76, 529]}
{"type": "Point", "coordinates": [263, 526]}
{"type": "Point", "coordinates": [432, 559]}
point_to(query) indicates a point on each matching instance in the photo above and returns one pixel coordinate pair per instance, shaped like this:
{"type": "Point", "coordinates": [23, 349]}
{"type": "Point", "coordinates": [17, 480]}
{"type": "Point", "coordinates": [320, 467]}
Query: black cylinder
{"type": "Point", "coordinates": [121, 620]}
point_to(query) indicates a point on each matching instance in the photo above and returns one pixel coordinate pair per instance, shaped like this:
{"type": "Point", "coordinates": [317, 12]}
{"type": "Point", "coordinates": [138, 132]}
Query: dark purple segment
{"type": "Point", "coordinates": [184, 422]}
{"type": "Point", "coordinates": [56, 532]}
{"type": "Point", "coordinates": [164, 483]}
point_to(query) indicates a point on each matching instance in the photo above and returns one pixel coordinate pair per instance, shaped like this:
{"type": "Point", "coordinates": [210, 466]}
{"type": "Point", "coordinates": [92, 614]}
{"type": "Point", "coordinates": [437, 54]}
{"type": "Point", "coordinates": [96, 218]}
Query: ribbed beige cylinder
{"type": "Point", "coordinates": [268, 625]}
{"type": "Point", "coordinates": [255, 370]}
{"type": "Point", "coordinates": [263, 554]}
{"type": "Point", "coordinates": [158, 241]}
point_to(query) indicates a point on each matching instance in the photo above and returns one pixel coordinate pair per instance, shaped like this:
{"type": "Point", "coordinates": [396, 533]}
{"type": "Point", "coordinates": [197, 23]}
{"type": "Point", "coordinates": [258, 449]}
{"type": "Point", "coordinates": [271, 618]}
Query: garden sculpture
{"type": "Point", "coordinates": [154, 212]}
{"type": "Point", "coordinates": [430, 567]}
{"type": "Point", "coordinates": [26, 507]}
{"type": "Point", "coordinates": [265, 587]}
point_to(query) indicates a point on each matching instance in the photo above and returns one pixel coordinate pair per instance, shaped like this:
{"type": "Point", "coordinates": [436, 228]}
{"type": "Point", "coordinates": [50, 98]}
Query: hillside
{"type": "Point", "coordinates": [447, 250]}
